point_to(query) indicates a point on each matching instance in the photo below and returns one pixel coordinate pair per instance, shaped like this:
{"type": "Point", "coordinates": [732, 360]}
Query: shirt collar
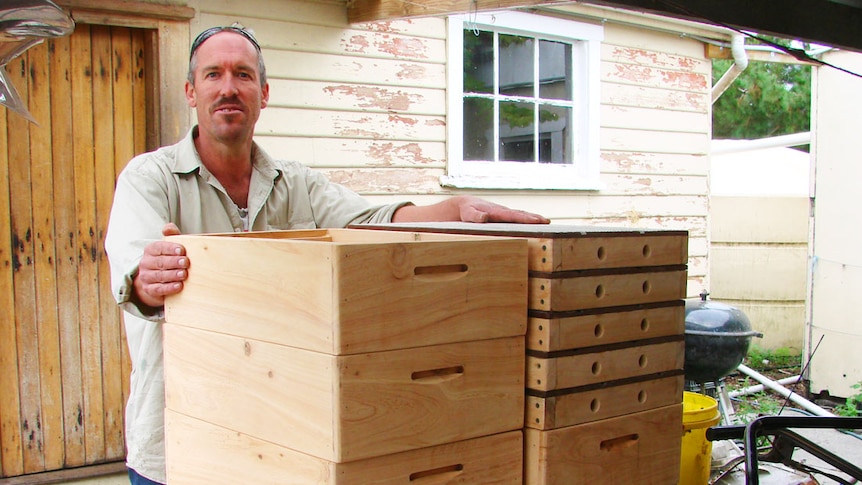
{"type": "Point", "coordinates": [189, 161]}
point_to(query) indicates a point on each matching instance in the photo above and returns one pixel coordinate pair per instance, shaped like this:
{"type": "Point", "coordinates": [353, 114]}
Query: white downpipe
{"type": "Point", "coordinates": [740, 63]}
{"type": "Point", "coordinates": [772, 385]}
{"type": "Point", "coordinates": [760, 387]}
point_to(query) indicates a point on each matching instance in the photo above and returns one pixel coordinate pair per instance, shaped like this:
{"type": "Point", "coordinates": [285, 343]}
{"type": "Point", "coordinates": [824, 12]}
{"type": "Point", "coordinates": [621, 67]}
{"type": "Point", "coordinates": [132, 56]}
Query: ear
{"type": "Point", "coordinates": [264, 96]}
{"type": "Point", "coordinates": [190, 95]}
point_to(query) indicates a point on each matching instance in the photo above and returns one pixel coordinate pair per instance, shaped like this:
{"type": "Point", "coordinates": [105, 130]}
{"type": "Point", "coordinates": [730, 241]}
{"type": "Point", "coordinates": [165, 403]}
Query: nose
{"type": "Point", "coordinates": [228, 86]}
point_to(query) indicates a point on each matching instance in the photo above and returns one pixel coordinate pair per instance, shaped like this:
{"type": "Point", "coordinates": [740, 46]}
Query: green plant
{"type": "Point", "coordinates": [781, 358]}
{"type": "Point", "coordinates": [853, 403]}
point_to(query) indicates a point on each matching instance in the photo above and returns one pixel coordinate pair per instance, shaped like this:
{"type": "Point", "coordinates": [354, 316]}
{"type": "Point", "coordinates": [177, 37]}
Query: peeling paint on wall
{"type": "Point", "coordinates": [411, 71]}
{"type": "Point", "coordinates": [372, 97]}
{"type": "Point", "coordinates": [403, 47]}
{"type": "Point", "coordinates": [404, 120]}
{"type": "Point", "coordinates": [664, 78]}
{"type": "Point", "coordinates": [356, 43]}
{"type": "Point", "coordinates": [653, 58]}
{"type": "Point", "coordinates": [385, 154]}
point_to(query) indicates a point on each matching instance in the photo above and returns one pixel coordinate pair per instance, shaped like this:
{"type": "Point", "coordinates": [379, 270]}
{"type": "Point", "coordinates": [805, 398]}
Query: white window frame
{"type": "Point", "coordinates": [583, 173]}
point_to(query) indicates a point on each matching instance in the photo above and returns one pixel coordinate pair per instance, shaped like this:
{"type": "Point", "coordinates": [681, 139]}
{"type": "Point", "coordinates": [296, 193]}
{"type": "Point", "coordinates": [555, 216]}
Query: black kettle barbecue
{"type": "Point", "coordinates": [717, 338]}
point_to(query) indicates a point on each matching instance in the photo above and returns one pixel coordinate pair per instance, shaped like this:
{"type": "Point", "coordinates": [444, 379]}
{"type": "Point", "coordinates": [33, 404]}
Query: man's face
{"type": "Point", "coordinates": [227, 93]}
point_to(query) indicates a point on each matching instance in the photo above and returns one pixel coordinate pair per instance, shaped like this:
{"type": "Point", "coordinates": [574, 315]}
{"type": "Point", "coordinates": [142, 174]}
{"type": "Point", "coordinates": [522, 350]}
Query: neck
{"type": "Point", "coordinates": [231, 165]}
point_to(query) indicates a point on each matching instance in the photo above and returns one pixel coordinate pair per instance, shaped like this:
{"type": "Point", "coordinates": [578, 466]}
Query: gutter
{"type": "Point", "coordinates": [740, 63]}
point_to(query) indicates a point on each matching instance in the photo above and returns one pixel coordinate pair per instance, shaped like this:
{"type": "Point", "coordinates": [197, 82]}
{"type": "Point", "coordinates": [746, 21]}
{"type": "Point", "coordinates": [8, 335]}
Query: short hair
{"type": "Point", "coordinates": [235, 28]}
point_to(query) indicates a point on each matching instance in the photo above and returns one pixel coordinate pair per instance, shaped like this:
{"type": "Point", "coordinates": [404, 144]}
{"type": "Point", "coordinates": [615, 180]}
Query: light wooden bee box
{"type": "Point", "coordinates": [557, 410]}
{"type": "Point", "coordinates": [201, 453]}
{"type": "Point", "coordinates": [348, 291]}
{"type": "Point", "coordinates": [565, 292]}
{"type": "Point", "coordinates": [345, 408]}
{"type": "Point", "coordinates": [643, 448]}
{"type": "Point", "coordinates": [591, 329]}
{"type": "Point", "coordinates": [558, 248]}
{"type": "Point", "coordinates": [592, 366]}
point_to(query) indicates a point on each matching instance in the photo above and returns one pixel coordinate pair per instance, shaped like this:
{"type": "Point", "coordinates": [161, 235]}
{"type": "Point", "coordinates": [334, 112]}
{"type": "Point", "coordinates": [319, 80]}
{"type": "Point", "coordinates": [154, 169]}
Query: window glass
{"type": "Point", "coordinates": [524, 112]}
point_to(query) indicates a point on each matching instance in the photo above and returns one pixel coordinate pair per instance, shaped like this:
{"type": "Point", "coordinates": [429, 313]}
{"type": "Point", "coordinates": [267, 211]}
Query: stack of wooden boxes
{"type": "Point", "coordinates": [605, 351]}
{"type": "Point", "coordinates": [347, 356]}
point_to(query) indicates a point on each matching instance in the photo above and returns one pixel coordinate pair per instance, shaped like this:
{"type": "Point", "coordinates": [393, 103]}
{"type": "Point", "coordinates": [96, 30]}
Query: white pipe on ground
{"type": "Point", "coordinates": [772, 385]}
{"type": "Point", "coordinates": [760, 387]}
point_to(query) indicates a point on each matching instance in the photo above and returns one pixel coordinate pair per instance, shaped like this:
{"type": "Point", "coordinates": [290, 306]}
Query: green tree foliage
{"type": "Point", "coordinates": [767, 99]}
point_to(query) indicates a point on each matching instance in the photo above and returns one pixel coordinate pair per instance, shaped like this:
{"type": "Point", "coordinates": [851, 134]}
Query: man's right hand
{"type": "Point", "coordinates": [162, 270]}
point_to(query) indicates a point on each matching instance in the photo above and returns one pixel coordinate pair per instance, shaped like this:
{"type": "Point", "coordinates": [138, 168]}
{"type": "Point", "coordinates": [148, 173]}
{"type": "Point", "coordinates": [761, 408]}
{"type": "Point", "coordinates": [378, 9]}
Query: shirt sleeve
{"type": "Point", "coordinates": [334, 205]}
{"type": "Point", "coordinates": [139, 211]}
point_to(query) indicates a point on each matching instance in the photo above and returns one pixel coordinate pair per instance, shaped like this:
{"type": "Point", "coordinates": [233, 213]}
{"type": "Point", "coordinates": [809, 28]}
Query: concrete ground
{"type": "Point", "coordinates": [116, 479]}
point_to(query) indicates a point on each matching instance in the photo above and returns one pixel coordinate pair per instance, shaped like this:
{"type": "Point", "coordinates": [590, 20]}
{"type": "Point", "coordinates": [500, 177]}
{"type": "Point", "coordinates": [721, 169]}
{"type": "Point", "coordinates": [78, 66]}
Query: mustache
{"type": "Point", "coordinates": [232, 101]}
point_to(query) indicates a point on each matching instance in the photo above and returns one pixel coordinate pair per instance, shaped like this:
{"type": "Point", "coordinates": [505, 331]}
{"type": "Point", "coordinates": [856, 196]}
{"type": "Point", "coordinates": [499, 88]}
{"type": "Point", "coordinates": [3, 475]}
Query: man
{"type": "Point", "coordinates": [218, 180]}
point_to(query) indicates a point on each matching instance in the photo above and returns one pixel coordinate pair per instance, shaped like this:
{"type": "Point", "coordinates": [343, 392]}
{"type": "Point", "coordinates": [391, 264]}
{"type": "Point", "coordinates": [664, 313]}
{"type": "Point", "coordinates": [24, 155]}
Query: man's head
{"type": "Point", "coordinates": [236, 28]}
{"type": "Point", "coordinates": [226, 85]}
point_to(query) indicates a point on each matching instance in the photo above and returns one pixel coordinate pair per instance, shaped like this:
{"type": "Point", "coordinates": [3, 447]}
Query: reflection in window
{"type": "Point", "coordinates": [518, 98]}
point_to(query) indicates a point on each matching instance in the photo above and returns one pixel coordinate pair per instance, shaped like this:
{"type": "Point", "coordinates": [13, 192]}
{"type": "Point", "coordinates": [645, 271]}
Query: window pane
{"type": "Point", "coordinates": [555, 134]}
{"type": "Point", "coordinates": [555, 70]}
{"type": "Point", "coordinates": [516, 65]}
{"type": "Point", "coordinates": [517, 125]}
{"type": "Point", "coordinates": [478, 129]}
{"type": "Point", "coordinates": [478, 62]}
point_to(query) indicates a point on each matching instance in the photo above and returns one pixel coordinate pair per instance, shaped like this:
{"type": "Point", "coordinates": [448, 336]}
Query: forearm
{"type": "Point", "coordinates": [447, 210]}
{"type": "Point", "coordinates": [466, 208]}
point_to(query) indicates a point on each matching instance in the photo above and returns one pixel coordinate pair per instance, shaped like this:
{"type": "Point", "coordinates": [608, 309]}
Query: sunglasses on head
{"type": "Point", "coordinates": [206, 34]}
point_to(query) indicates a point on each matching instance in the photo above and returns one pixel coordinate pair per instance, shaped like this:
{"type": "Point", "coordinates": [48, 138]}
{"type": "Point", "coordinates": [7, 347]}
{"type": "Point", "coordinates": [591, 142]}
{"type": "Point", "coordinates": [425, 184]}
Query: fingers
{"type": "Point", "coordinates": [517, 216]}
{"type": "Point", "coordinates": [477, 210]}
{"type": "Point", "coordinates": [472, 214]}
{"type": "Point", "coordinates": [161, 272]}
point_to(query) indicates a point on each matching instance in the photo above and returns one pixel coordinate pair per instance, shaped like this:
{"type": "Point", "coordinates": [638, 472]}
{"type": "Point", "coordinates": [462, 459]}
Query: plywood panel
{"type": "Point", "coordinates": [341, 39]}
{"type": "Point", "coordinates": [654, 97]}
{"type": "Point", "coordinates": [781, 322]}
{"type": "Point", "coordinates": [329, 13]}
{"type": "Point", "coordinates": [364, 97]}
{"type": "Point", "coordinates": [321, 123]}
{"type": "Point", "coordinates": [654, 163]}
{"type": "Point", "coordinates": [649, 76]}
{"type": "Point", "coordinates": [760, 219]}
{"type": "Point", "coordinates": [664, 118]}
{"type": "Point", "coordinates": [387, 181]}
{"type": "Point", "coordinates": [655, 57]}
{"type": "Point", "coordinates": [773, 272]}
{"type": "Point", "coordinates": [665, 39]}
{"type": "Point", "coordinates": [339, 68]}
{"type": "Point", "coordinates": [654, 141]}
{"type": "Point", "coordinates": [347, 153]}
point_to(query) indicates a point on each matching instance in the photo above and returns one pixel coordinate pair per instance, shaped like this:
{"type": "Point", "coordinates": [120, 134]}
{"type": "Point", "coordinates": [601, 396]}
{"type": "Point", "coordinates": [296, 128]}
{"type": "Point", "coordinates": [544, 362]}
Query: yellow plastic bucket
{"type": "Point", "coordinates": [699, 412]}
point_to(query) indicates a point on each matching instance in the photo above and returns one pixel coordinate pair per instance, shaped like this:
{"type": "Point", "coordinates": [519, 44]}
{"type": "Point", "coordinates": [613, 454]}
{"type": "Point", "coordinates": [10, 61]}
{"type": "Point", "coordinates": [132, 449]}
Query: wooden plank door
{"type": "Point", "coordinates": [63, 360]}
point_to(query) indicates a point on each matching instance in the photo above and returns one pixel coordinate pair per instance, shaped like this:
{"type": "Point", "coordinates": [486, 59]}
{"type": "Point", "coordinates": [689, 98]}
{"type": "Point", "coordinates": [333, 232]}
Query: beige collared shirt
{"type": "Point", "coordinates": [172, 185]}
